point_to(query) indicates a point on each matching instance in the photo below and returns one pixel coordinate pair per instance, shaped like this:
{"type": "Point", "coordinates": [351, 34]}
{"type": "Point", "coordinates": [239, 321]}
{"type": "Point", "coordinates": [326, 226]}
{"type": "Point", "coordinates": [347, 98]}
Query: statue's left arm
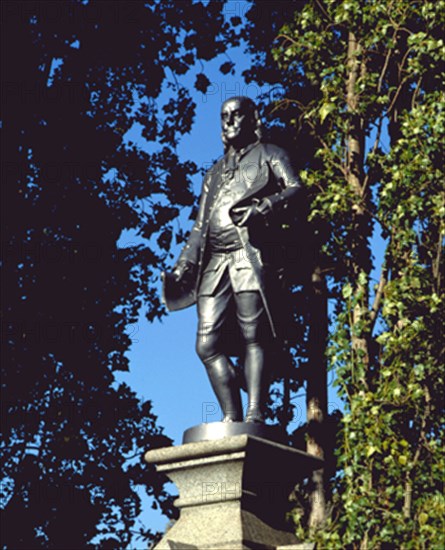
{"type": "Point", "coordinates": [289, 189]}
{"type": "Point", "coordinates": [287, 179]}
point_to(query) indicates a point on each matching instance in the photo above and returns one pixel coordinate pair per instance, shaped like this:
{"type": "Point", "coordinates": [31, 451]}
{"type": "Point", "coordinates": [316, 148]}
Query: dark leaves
{"type": "Point", "coordinates": [202, 83]}
{"type": "Point", "coordinates": [76, 183]}
{"type": "Point", "coordinates": [227, 67]}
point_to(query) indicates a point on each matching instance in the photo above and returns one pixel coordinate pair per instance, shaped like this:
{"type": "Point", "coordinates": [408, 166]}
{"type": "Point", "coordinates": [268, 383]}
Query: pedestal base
{"type": "Point", "coordinates": [217, 430]}
{"type": "Point", "coordinates": [233, 492]}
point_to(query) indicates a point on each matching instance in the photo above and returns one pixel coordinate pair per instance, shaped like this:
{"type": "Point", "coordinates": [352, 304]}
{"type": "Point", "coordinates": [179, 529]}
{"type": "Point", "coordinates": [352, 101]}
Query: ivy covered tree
{"type": "Point", "coordinates": [375, 109]}
{"type": "Point", "coordinates": [308, 302]}
{"type": "Point", "coordinates": [77, 78]}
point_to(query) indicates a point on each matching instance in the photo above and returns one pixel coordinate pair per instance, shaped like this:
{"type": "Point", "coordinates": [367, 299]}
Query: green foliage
{"type": "Point", "coordinates": [376, 112]}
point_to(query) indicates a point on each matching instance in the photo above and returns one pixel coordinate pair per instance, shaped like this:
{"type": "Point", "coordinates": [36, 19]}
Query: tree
{"type": "Point", "coordinates": [309, 299]}
{"type": "Point", "coordinates": [78, 76]}
{"type": "Point", "coordinates": [375, 71]}
{"type": "Point", "coordinates": [364, 79]}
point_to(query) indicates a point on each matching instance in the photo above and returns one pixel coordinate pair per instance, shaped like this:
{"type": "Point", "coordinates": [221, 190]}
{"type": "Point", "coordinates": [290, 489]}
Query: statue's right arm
{"type": "Point", "coordinates": [190, 253]}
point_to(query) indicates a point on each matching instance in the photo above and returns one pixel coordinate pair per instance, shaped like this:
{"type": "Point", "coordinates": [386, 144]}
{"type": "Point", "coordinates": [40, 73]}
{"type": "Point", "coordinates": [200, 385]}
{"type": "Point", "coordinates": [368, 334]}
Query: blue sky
{"type": "Point", "coordinates": [163, 364]}
{"type": "Point", "coordinates": [164, 367]}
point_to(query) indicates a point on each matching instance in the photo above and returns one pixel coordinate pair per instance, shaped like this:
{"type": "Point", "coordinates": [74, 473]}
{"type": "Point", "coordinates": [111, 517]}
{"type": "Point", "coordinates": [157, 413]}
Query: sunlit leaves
{"type": "Point", "coordinates": [388, 359]}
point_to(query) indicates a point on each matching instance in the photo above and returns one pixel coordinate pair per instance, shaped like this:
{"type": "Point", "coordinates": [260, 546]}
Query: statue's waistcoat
{"type": "Point", "coordinates": [264, 171]}
{"type": "Point", "coordinates": [248, 178]}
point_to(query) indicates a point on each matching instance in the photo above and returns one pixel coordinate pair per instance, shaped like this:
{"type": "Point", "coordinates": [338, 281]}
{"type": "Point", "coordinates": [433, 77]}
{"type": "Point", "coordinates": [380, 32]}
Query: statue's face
{"type": "Point", "coordinates": [236, 121]}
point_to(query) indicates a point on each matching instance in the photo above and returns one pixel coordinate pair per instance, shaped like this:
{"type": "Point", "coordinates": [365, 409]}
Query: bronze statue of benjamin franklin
{"type": "Point", "coordinates": [233, 261]}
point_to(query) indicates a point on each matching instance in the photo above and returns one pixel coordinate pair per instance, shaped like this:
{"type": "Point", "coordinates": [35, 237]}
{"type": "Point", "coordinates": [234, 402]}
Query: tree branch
{"type": "Point", "coordinates": [374, 149]}
{"type": "Point", "coordinates": [322, 9]}
{"type": "Point", "coordinates": [416, 93]}
{"type": "Point", "coordinates": [386, 63]}
{"type": "Point", "coordinates": [288, 38]}
{"type": "Point", "coordinates": [422, 437]}
{"type": "Point", "coordinates": [378, 297]}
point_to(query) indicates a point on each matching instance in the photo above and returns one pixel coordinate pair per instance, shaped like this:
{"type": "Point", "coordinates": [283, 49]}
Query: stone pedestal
{"type": "Point", "coordinates": [233, 492]}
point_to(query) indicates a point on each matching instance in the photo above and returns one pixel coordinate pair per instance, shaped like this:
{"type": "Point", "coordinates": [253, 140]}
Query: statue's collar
{"type": "Point", "coordinates": [232, 158]}
{"type": "Point", "coordinates": [243, 152]}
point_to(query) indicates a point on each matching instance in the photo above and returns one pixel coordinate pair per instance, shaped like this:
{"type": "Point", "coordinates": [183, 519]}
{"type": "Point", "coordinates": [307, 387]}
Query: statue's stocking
{"type": "Point", "coordinates": [224, 383]}
{"type": "Point", "coordinates": [256, 381]}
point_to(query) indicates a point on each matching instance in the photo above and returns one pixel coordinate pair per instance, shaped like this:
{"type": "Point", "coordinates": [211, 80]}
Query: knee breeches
{"type": "Point", "coordinates": [213, 311]}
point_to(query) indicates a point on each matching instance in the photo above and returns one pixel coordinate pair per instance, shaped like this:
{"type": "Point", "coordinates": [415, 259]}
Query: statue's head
{"type": "Point", "coordinates": [240, 122]}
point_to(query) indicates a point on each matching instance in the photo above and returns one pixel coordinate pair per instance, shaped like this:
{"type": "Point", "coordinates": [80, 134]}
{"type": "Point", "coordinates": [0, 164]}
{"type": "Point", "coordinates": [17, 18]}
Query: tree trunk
{"type": "Point", "coordinates": [355, 142]}
{"type": "Point", "coordinates": [316, 397]}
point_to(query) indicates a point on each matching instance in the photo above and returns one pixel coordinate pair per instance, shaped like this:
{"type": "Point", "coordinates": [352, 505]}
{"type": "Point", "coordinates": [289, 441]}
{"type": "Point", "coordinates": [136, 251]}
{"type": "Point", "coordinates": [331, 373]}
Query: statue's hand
{"type": "Point", "coordinates": [183, 271]}
{"type": "Point", "coordinates": [245, 215]}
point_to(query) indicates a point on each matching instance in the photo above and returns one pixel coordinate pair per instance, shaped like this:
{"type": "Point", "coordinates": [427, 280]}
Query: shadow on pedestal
{"type": "Point", "coordinates": [233, 490]}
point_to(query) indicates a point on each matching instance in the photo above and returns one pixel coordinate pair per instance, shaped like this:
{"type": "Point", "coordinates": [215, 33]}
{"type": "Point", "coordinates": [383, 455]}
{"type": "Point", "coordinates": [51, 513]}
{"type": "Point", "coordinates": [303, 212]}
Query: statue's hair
{"type": "Point", "coordinates": [252, 110]}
